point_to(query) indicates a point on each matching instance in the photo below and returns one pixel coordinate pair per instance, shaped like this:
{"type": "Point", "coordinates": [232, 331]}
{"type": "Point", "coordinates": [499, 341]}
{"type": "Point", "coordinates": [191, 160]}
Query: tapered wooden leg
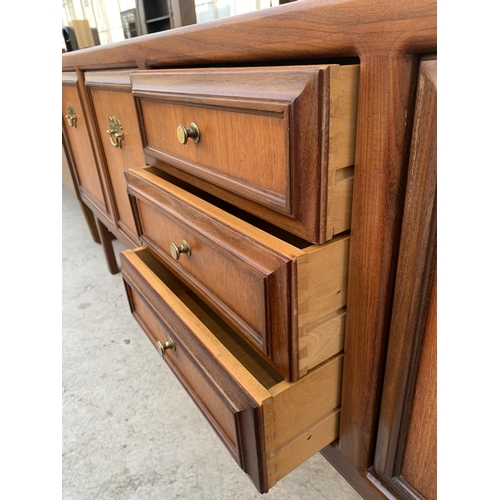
{"type": "Point", "coordinates": [106, 241]}
{"type": "Point", "coordinates": [91, 222]}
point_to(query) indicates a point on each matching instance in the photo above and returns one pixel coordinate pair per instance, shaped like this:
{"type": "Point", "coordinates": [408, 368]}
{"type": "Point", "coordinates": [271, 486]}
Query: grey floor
{"type": "Point", "coordinates": [129, 429]}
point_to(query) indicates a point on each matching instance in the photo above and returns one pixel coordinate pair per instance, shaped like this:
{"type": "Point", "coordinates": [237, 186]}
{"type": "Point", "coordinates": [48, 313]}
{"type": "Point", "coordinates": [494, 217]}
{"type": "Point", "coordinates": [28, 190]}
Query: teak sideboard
{"type": "Point", "coordinates": [273, 177]}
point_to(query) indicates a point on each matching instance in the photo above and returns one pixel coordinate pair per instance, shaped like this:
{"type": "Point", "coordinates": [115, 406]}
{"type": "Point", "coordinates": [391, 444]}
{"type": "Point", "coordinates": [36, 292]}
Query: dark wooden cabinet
{"type": "Point", "coordinates": [258, 161]}
{"type": "Point", "coordinates": [161, 15]}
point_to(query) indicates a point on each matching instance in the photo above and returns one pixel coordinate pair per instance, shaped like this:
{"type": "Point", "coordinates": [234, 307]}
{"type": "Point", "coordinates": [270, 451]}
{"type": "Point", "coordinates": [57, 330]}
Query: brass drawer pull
{"type": "Point", "coordinates": [115, 132]}
{"type": "Point", "coordinates": [71, 115]}
{"type": "Point", "coordinates": [161, 348]}
{"type": "Point", "coordinates": [183, 135]}
{"type": "Point", "coordinates": [177, 250]}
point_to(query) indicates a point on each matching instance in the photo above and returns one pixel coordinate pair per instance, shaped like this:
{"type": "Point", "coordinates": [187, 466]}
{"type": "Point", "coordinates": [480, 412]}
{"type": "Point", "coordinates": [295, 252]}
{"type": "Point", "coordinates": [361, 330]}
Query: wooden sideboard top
{"type": "Point", "coordinates": [303, 29]}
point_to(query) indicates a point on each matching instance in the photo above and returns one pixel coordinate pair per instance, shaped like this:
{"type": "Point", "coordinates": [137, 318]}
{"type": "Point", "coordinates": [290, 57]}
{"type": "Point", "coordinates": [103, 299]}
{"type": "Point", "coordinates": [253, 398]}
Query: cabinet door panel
{"type": "Point", "coordinates": [79, 143]}
{"type": "Point", "coordinates": [405, 455]}
{"type": "Point", "coordinates": [419, 467]}
{"type": "Point", "coordinates": [113, 106]}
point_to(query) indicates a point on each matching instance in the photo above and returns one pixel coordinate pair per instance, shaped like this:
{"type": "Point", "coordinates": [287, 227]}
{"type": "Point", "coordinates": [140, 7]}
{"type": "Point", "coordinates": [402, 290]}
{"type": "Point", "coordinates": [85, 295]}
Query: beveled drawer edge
{"type": "Point", "coordinates": [69, 78]}
{"type": "Point", "coordinates": [266, 197]}
{"type": "Point", "coordinates": [272, 243]}
{"type": "Point", "coordinates": [105, 79]}
{"type": "Point", "coordinates": [256, 106]}
{"type": "Point", "coordinates": [152, 83]}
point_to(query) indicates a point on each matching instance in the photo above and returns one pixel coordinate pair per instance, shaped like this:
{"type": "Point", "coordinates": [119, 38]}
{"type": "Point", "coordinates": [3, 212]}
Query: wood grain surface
{"type": "Point", "coordinates": [387, 38]}
{"type": "Point", "coordinates": [383, 137]}
{"type": "Point", "coordinates": [412, 332]}
{"type": "Point", "coordinates": [312, 29]}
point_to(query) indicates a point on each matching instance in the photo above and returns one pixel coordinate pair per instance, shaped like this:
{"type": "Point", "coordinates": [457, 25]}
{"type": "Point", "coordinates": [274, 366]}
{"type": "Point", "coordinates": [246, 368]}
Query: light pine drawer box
{"type": "Point", "coordinates": [269, 426]}
{"type": "Point", "coordinates": [286, 299]}
{"type": "Point", "coordinates": [277, 141]}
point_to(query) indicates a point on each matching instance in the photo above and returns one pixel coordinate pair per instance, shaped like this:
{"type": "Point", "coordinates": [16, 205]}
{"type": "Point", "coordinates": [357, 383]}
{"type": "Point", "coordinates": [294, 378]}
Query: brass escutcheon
{"type": "Point", "coordinates": [71, 115]}
{"type": "Point", "coordinates": [161, 348]}
{"type": "Point", "coordinates": [183, 135]}
{"type": "Point", "coordinates": [115, 132]}
{"type": "Point", "coordinates": [177, 250]}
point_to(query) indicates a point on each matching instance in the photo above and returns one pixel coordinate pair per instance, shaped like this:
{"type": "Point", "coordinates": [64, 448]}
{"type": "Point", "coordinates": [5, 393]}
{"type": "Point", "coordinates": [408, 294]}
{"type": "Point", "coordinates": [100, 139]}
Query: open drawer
{"type": "Point", "coordinates": [269, 426]}
{"type": "Point", "coordinates": [284, 296]}
{"type": "Point", "coordinates": [276, 141]}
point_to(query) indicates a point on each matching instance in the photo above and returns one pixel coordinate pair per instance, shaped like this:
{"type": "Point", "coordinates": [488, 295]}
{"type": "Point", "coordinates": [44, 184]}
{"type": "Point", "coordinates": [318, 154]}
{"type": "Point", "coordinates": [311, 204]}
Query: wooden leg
{"type": "Point", "coordinates": [109, 252]}
{"type": "Point", "coordinates": [91, 222]}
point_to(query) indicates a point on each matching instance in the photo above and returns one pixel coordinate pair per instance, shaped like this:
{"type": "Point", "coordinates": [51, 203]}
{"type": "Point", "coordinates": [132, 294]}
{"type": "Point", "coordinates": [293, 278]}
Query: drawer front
{"type": "Point", "coordinates": [116, 121]}
{"type": "Point", "coordinates": [286, 302]}
{"type": "Point", "coordinates": [232, 144]}
{"type": "Point", "coordinates": [269, 140]}
{"type": "Point", "coordinates": [268, 425]}
{"type": "Point", "coordinates": [75, 128]}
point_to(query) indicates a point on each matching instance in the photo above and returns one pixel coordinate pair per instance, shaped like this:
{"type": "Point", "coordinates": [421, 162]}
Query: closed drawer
{"type": "Point", "coordinates": [77, 136]}
{"type": "Point", "coordinates": [277, 142]}
{"type": "Point", "coordinates": [118, 128]}
{"type": "Point", "coordinates": [286, 300]}
{"type": "Point", "coordinates": [269, 426]}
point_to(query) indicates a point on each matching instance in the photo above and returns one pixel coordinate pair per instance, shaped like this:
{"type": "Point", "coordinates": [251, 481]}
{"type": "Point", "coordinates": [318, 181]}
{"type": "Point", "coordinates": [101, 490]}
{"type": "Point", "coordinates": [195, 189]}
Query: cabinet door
{"type": "Point", "coordinates": [76, 133]}
{"type": "Point", "coordinates": [405, 455]}
{"type": "Point", "coordinates": [117, 128]}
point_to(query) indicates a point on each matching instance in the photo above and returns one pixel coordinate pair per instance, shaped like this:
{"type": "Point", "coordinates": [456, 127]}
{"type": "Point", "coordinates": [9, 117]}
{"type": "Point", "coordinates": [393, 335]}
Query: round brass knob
{"type": "Point", "coordinates": [161, 348]}
{"type": "Point", "coordinates": [177, 250]}
{"type": "Point", "coordinates": [184, 134]}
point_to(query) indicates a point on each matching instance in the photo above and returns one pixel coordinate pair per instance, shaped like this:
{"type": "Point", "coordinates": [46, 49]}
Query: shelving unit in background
{"type": "Point", "coordinates": [161, 15]}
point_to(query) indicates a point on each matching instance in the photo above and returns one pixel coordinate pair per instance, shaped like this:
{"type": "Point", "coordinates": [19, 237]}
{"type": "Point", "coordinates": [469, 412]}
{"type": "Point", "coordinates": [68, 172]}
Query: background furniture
{"type": "Point", "coordinates": [160, 15]}
{"type": "Point", "coordinates": [384, 447]}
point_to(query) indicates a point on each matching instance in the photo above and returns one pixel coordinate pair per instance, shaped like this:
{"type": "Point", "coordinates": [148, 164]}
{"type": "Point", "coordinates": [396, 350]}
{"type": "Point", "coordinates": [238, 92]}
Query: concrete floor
{"type": "Point", "coordinates": [130, 431]}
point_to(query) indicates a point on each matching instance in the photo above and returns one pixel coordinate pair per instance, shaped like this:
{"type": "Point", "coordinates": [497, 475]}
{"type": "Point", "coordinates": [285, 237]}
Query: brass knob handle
{"type": "Point", "coordinates": [115, 132]}
{"type": "Point", "coordinates": [183, 135]}
{"type": "Point", "coordinates": [71, 115]}
{"type": "Point", "coordinates": [161, 348]}
{"type": "Point", "coordinates": [177, 250]}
